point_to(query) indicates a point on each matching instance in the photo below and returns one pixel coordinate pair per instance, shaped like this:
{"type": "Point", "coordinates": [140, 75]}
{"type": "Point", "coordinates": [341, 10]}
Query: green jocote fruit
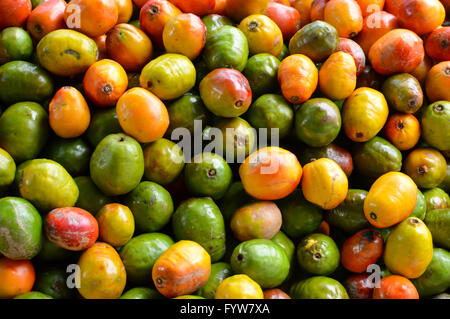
{"type": "Point", "coordinates": [261, 72]}
{"type": "Point", "coordinates": [421, 206]}
{"type": "Point", "coordinates": [318, 287]}
{"type": "Point", "coordinates": [184, 111]}
{"type": "Point", "coordinates": [52, 281]}
{"type": "Point", "coordinates": [438, 222]}
{"type": "Point", "coordinates": [15, 44]}
{"type": "Point", "coordinates": [24, 130]}
{"type": "Point", "coordinates": [90, 197]}
{"type": "Point", "coordinates": [219, 271]}
{"type": "Point", "coordinates": [33, 295]}
{"type": "Point", "coordinates": [20, 229]}
{"type": "Point", "coordinates": [238, 138]}
{"type": "Point", "coordinates": [436, 278]}
{"type": "Point", "coordinates": [7, 169]}
{"type": "Point", "coordinates": [142, 293]}
{"type": "Point", "coordinates": [234, 198]}
{"type": "Point", "coordinates": [436, 198]}
{"type": "Point", "coordinates": [200, 220]}
{"type": "Point", "coordinates": [435, 119]}
{"type": "Point", "coordinates": [403, 92]}
{"type": "Point", "coordinates": [117, 164]}
{"type": "Point", "coordinates": [214, 22]}
{"type": "Point", "coordinates": [103, 123]}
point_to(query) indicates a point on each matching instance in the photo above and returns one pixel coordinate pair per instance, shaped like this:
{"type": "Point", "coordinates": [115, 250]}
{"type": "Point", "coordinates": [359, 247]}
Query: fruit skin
{"type": "Point", "coordinates": [116, 224]}
{"type": "Point", "coordinates": [184, 111]}
{"type": "Point", "coordinates": [102, 272]}
{"type": "Point", "coordinates": [24, 81]}
{"type": "Point", "coordinates": [436, 198]}
{"type": "Point", "coordinates": [7, 169]}
{"type": "Point", "coordinates": [351, 47]}
{"type": "Point", "coordinates": [436, 279]}
{"type": "Point", "coordinates": [33, 295]}
{"type": "Point", "coordinates": [261, 72]}
{"type": "Point", "coordinates": [103, 123]}
{"type": "Point", "coordinates": [379, 208]}
{"type": "Point", "coordinates": [15, 44]}
{"type": "Point", "coordinates": [234, 198]}
{"type": "Point", "coordinates": [69, 113]}
{"type": "Point", "coordinates": [238, 10]}
{"type": "Point", "coordinates": [397, 51]}
{"type": "Point", "coordinates": [369, 6]}
{"type": "Point", "coordinates": [181, 269]}
{"type": "Point", "coordinates": [151, 205]}
{"type": "Point", "coordinates": [45, 18]}
{"type": "Point", "coordinates": [21, 228]}
{"type": "Point", "coordinates": [437, 44]}
{"type": "Point", "coordinates": [198, 7]}
{"type": "Point", "coordinates": [345, 16]}
{"type": "Point", "coordinates": [263, 35]}
{"type": "Point", "coordinates": [262, 260]}
{"type": "Point", "coordinates": [71, 228]}
{"type": "Point", "coordinates": [117, 164]}
{"type": "Point", "coordinates": [317, 122]}
{"type": "Point", "coordinates": [421, 206]}
{"type": "Point", "coordinates": [287, 18]}
{"type": "Point", "coordinates": [14, 13]}
{"type": "Point", "coordinates": [338, 154]}
{"type": "Point", "coordinates": [136, 108]}
{"type": "Point", "coordinates": [256, 221]}
{"type": "Point", "coordinates": [90, 198]}
{"type": "Point", "coordinates": [324, 183]}
{"type": "Point", "coordinates": [421, 72]}
{"type": "Point", "coordinates": [66, 52]}
{"type": "Point", "coordinates": [200, 220]}
{"type": "Point", "coordinates": [239, 137]}
{"type": "Point", "coordinates": [377, 157]}
{"type": "Point", "coordinates": [403, 130]}
{"type": "Point", "coordinates": [395, 287]}
{"type": "Point", "coordinates": [421, 17]}
{"type": "Point", "coordinates": [185, 34]}
{"type": "Point", "coordinates": [17, 276]}
{"type": "Point", "coordinates": [219, 272]}
{"type": "Point", "coordinates": [95, 17]}
{"type": "Point", "coordinates": [214, 22]}
{"type": "Point", "coordinates": [125, 10]}
{"type": "Point", "coordinates": [141, 293]}
{"type": "Point", "coordinates": [435, 119]}
{"type": "Point", "coordinates": [361, 250]}
{"type": "Point", "coordinates": [438, 222]}
{"type": "Point", "coordinates": [438, 78]}
{"type": "Point", "coordinates": [140, 254]}
{"type": "Point", "coordinates": [359, 286]}
{"type": "Point", "coordinates": [318, 287]}
{"type": "Point", "coordinates": [169, 76]}
{"type": "Point", "coordinates": [239, 287]}
{"type": "Point", "coordinates": [270, 173]}
{"type": "Point", "coordinates": [226, 47]}
{"type": "Point", "coordinates": [364, 114]}
{"type": "Point", "coordinates": [403, 92]}
{"type": "Point", "coordinates": [226, 92]}
{"type": "Point", "coordinates": [52, 281]}
{"type": "Point", "coordinates": [318, 254]}
{"type": "Point", "coordinates": [47, 185]}
{"type": "Point", "coordinates": [426, 166]}
{"type": "Point", "coordinates": [298, 78]}
{"type": "Point", "coordinates": [409, 248]}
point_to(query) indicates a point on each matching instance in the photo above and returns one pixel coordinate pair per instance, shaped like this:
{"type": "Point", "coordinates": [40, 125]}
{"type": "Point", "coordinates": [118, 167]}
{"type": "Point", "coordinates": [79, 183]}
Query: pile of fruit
{"type": "Point", "coordinates": [224, 149]}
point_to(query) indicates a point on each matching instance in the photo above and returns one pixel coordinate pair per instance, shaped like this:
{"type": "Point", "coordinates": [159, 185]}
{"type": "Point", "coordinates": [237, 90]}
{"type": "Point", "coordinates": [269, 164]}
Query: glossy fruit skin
{"type": "Point", "coordinates": [140, 254]}
{"type": "Point", "coordinates": [181, 269]}
{"type": "Point", "coordinates": [287, 18]}
{"type": "Point", "coordinates": [45, 18]}
{"type": "Point", "coordinates": [129, 46]}
{"type": "Point", "coordinates": [379, 208]}
{"type": "Point", "coordinates": [52, 282]}
{"type": "Point", "coordinates": [208, 174]}
{"type": "Point", "coordinates": [21, 136]}
{"type": "Point", "coordinates": [71, 228]}
{"type": "Point", "coordinates": [426, 166]}
{"type": "Point", "coordinates": [397, 51]}
{"type": "Point", "coordinates": [436, 198]}
{"type": "Point", "coordinates": [238, 137]}
{"type": "Point", "coordinates": [338, 154]}
{"type": "Point", "coordinates": [103, 123]}
{"type": "Point", "coordinates": [318, 254]}
{"type": "Point", "coordinates": [435, 279]}
{"type": "Point", "coordinates": [276, 174]}
{"type": "Point", "coordinates": [318, 287]}
{"type": "Point", "coordinates": [421, 72]}
{"type": "Point", "coordinates": [238, 10]}
{"type": "Point", "coordinates": [239, 287]}
{"type": "Point", "coordinates": [409, 248]}
{"type": "Point", "coordinates": [185, 34]}
{"type": "Point", "coordinates": [370, 6]}
{"type": "Point", "coordinates": [90, 197]}
{"type": "Point", "coordinates": [169, 76]}
{"type": "Point", "coordinates": [226, 47]}
{"type": "Point", "coordinates": [14, 13]}
{"type": "Point", "coordinates": [226, 92]}
{"type": "Point", "coordinates": [256, 221]}
{"type": "Point", "coordinates": [364, 114]}
{"type": "Point", "coordinates": [214, 22]}
{"type": "Point", "coordinates": [361, 250]}
{"type": "Point", "coordinates": [437, 78]}
{"type": "Point", "coordinates": [395, 287]}
{"type": "Point", "coordinates": [403, 130]}
{"type": "Point", "coordinates": [33, 295]}
{"type": "Point", "coordinates": [198, 7]}
{"type": "Point", "coordinates": [15, 44]}
{"type": "Point", "coordinates": [298, 78]}
{"type": "Point", "coordinates": [122, 155]}
{"type": "Point", "coordinates": [343, 83]}
{"type": "Point", "coordinates": [324, 183]}
{"type": "Point", "coordinates": [261, 72]}
{"type": "Point", "coordinates": [377, 157]}
{"type": "Point", "coordinates": [116, 224]}
{"type": "Point", "coordinates": [66, 52]}
{"type": "Point", "coordinates": [103, 274]}
{"type": "Point", "coordinates": [47, 185]}
{"type": "Point", "coordinates": [275, 294]}
{"type": "Point", "coordinates": [17, 277]}
{"type": "Point", "coordinates": [219, 272]}
{"type": "Point", "coordinates": [69, 113]}
{"type": "Point", "coordinates": [403, 92]}
{"type": "Point", "coordinates": [262, 260]}
{"type": "Point", "coordinates": [24, 81]}
{"type": "Point", "coordinates": [317, 40]}
{"type": "Point", "coordinates": [435, 118]}
{"type": "Point", "coordinates": [317, 122]}
{"type": "Point", "coordinates": [351, 47]}
{"type": "Point", "coordinates": [421, 17]}
{"type": "Point", "coordinates": [345, 16]}
{"type": "Point", "coordinates": [200, 220]}
{"type": "Point", "coordinates": [359, 286]}
{"type": "Point", "coordinates": [438, 222]}
{"type": "Point", "coordinates": [95, 17]}
{"type": "Point", "coordinates": [153, 17]}
{"type": "Point", "coordinates": [304, 8]}
{"type": "Point", "coordinates": [185, 111]}
{"type": "Point", "coordinates": [136, 108]}
{"type": "Point", "coordinates": [438, 43]}
{"type": "Point", "coordinates": [141, 293]}
{"type": "Point", "coordinates": [21, 226]}
{"type": "Point", "coordinates": [7, 169]}
{"type": "Point", "coordinates": [151, 205]}
{"type": "Point", "coordinates": [421, 206]}
{"type": "Point", "coordinates": [349, 215]}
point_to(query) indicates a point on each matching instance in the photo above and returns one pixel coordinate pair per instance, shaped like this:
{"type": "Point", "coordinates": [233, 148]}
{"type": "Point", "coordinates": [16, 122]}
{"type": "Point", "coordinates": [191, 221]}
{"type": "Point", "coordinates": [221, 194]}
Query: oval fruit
{"type": "Point", "coordinates": [318, 254]}
{"type": "Point", "coordinates": [17, 277]}
{"type": "Point", "coordinates": [239, 287]}
{"type": "Point", "coordinates": [116, 224]}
